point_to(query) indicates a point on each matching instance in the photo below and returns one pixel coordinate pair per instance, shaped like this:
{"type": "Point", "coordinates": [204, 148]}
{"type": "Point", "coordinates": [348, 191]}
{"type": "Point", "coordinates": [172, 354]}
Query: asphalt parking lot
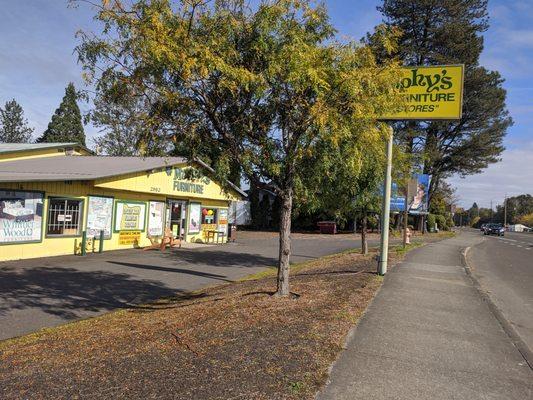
{"type": "Point", "coordinates": [46, 292]}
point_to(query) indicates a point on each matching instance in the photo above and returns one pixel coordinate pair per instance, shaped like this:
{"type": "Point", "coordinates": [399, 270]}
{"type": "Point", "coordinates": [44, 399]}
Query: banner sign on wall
{"type": "Point", "coordinates": [434, 92]}
{"type": "Point", "coordinates": [195, 216]}
{"type": "Point", "coordinates": [21, 216]}
{"type": "Point", "coordinates": [156, 216]}
{"type": "Point", "coordinates": [99, 216]}
{"type": "Point", "coordinates": [130, 216]}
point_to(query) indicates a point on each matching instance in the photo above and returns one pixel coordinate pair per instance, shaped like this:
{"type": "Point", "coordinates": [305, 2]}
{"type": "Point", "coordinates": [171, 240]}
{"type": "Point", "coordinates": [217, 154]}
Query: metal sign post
{"type": "Point", "coordinates": [385, 210]}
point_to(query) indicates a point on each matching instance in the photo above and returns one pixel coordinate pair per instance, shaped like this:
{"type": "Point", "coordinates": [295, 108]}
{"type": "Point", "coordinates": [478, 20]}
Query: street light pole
{"type": "Point", "coordinates": [385, 210]}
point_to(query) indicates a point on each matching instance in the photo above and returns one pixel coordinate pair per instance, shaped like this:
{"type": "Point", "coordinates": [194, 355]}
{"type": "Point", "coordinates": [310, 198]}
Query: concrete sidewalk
{"type": "Point", "coordinates": [429, 335]}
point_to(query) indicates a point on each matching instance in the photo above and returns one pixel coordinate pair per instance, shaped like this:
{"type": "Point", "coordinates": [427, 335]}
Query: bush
{"type": "Point", "coordinates": [441, 222]}
{"type": "Point", "coordinates": [431, 222]}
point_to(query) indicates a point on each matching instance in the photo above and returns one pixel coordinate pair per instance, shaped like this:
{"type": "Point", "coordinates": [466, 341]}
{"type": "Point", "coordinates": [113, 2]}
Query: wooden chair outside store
{"type": "Point", "coordinates": [167, 240]}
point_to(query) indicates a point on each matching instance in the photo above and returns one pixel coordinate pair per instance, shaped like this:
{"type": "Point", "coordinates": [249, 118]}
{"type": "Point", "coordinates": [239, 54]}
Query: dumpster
{"type": "Point", "coordinates": [327, 227]}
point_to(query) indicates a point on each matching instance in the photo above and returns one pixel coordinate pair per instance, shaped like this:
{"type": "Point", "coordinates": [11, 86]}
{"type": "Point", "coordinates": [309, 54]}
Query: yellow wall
{"type": "Point", "coordinates": [170, 182]}
{"type": "Point", "coordinates": [51, 246]}
{"type": "Point", "coordinates": [27, 154]}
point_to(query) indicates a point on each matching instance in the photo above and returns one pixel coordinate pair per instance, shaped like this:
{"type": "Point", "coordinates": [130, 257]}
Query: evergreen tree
{"type": "Point", "coordinates": [13, 126]}
{"type": "Point", "coordinates": [66, 124]}
{"type": "Point", "coordinates": [450, 32]}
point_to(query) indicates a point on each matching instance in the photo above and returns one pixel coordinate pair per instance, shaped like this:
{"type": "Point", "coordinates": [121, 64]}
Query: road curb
{"type": "Point", "coordinates": [517, 341]}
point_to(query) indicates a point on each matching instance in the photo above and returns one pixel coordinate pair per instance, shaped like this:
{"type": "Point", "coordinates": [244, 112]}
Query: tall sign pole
{"type": "Point", "coordinates": [385, 210]}
{"type": "Point", "coordinates": [432, 93]}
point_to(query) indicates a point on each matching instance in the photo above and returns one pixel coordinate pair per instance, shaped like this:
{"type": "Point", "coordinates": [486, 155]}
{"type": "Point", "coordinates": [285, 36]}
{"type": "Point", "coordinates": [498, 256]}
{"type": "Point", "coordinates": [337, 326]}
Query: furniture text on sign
{"type": "Point", "coordinates": [434, 92]}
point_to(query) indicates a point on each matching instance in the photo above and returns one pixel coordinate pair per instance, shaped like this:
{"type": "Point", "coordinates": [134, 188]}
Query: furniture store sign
{"type": "Point", "coordinates": [434, 92]}
{"type": "Point", "coordinates": [188, 180]}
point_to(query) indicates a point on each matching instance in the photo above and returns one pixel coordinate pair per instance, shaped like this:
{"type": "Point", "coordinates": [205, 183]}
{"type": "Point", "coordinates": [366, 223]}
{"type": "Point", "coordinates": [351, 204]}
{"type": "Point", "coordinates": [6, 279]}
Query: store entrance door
{"type": "Point", "coordinates": [176, 215]}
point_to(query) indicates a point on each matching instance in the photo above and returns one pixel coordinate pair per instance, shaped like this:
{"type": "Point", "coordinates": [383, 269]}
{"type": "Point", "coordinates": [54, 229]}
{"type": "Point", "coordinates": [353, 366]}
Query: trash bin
{"type": "Point", "coordinates": [327, 227]}
{"type": "Point", "coordinates": [232, 232]}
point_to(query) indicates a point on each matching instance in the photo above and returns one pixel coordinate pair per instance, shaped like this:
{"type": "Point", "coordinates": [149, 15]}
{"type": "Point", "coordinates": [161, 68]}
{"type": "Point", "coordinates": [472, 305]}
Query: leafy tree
{"type": "Point", "coordinates": [66, 124]}
{"type": "Point", "coordinates": [450, 32]}
{"type": "Point", "coordinates": [526, 220]}
{"type": "Point", "coordinates": [124, 131]}
{"type": "Point", "coordinates": [517, 206]}
{"type": "Point", "coordinates": [13, 126]}
{"type": "Point", "coordinates": [266, 84]}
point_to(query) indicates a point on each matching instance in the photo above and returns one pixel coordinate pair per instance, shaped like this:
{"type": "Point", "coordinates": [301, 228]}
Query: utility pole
{"type": "Point", "coordinates": [385, 210]}
{"type": "Point", "coordinates": [491, 211]}
{"type": "Point", "coordinates": [505, 211]}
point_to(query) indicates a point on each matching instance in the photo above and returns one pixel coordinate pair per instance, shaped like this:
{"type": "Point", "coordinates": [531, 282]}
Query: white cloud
{"type": "Point", "coordinates": [512, 176]}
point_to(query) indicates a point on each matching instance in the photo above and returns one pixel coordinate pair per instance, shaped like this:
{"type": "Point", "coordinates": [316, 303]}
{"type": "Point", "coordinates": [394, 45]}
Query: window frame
{"type": "Point", "coordinates": [81, 217]}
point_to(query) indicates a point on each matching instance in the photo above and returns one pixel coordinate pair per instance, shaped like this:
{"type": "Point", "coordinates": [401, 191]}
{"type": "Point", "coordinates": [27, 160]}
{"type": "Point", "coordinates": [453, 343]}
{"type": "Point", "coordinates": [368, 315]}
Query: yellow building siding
{"type": "Point", "coordinates": [169, 181]}
{"type": "Point", "coordinates": [53, 246]}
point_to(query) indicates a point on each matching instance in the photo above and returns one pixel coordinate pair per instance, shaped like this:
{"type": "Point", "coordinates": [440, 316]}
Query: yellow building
{"type": "Point", "coordinates": [51, 194]}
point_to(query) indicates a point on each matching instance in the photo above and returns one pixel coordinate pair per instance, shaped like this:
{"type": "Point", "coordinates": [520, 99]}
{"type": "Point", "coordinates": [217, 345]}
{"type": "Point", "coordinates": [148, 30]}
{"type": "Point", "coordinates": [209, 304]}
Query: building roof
{"type": "Point", "coordinates": [81, 168]}
{"type": "Point", "coordinates": [76, 168]}
{"type": "Point", "coordinates": [16, 147]}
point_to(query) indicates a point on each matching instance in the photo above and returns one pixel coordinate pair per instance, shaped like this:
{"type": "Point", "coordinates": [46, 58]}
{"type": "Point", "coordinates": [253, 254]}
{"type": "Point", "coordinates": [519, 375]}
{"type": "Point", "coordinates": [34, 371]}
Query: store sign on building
{"type": "Point", "coordinates": [188, 180]}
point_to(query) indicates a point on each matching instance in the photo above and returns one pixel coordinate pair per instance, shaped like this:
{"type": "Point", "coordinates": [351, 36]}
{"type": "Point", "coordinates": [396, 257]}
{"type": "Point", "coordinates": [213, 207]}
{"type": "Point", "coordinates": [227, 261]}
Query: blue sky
{"type": "Point", "coordinates": [37, 61]}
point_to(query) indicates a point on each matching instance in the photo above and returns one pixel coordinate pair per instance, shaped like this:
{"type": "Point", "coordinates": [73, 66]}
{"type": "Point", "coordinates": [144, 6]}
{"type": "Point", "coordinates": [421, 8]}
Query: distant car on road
{"type": "Point", "coordinates": [494, 229]}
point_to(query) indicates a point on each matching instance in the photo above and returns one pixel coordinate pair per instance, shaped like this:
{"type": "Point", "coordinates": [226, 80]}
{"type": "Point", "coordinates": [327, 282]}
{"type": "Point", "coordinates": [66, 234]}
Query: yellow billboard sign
{"type": "Point", "coordinates": [434, 92]}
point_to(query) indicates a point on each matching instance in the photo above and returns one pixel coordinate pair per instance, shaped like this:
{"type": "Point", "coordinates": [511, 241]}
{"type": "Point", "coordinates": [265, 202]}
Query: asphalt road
{"type": "Point", "coordinates": [504, 268]}
{"type": "Point", "coordinates": [51, 291]}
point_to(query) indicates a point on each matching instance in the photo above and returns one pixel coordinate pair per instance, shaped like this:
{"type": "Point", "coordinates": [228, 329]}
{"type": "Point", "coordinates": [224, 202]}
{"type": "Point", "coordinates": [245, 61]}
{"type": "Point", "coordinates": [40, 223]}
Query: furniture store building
{"type": "Point", "coordinates": [52, 195]}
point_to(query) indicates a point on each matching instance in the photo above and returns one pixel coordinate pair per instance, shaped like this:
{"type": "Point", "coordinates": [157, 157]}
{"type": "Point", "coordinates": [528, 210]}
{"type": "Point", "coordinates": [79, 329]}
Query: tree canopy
{"type": "Point", "coordinates": [13, 126]}
{"type": "Point", "coordinates": [66, 124]}
{"type": "Point", "coordinates": [269, 85]}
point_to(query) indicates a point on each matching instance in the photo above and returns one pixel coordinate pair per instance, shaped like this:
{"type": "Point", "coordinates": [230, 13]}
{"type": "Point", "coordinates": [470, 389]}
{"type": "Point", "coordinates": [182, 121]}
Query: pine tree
{"type": "Point", "coordinates": [13, 126]}
{"type": "Point", "coordinates": [66, 124]}
{"type": "Point", "coordinates": [450, 32]}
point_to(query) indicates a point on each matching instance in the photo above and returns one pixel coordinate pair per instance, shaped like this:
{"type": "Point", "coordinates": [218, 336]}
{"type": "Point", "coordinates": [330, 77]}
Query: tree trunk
{"type": "Point", "coordinates": [364, 242]}
{"type": "Point", "coordinates": [284, 244]}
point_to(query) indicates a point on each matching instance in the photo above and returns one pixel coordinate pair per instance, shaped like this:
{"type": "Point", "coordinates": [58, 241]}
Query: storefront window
{"type": "Point", "coordinates": [209, 215]}
{"type": "Point", "coordinates": [64, 217]}
{"type": "Point", "coordinates": [21, 215]}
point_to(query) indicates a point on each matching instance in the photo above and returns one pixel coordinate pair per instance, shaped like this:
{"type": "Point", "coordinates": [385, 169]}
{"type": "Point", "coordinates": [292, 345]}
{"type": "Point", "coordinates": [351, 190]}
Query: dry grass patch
{"type": "Point", "coordinates": [234, 341]}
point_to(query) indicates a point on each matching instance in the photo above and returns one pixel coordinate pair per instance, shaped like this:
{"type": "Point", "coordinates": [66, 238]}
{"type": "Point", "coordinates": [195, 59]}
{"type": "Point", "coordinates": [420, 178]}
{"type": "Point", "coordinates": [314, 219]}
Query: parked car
{"type": "Point", "coordinates": [482, 227]}
{"type": "Point", "coordinates": [494, 229]}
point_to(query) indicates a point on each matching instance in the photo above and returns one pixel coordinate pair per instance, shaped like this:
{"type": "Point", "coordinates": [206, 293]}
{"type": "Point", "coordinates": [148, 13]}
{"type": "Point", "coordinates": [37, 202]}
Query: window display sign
{"type": "Point", "coordinates": [129, 237]}
{"type": "Point", "coordinates": [223, 216]}
{"type": "Point", "coordinates": [223, 220]}
{"type": "Point", "coordinates": [130, 216]}
{"type": "Point", "coordinates": [156, 216]}
{"type": "Point", "coordinates": [21, 216]}
{"type": "Point", "coordinates": [99, 216]}
{"type": "Point", "coordinates": [195, 215]}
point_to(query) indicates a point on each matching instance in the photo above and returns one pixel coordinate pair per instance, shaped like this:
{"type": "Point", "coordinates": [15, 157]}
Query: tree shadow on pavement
{"type": "Point", "coordinates": [65, 292]}
{"type": "Point", "coordinates": [218, 258]}
{"type": "Point", "coordinates": [172, 269]}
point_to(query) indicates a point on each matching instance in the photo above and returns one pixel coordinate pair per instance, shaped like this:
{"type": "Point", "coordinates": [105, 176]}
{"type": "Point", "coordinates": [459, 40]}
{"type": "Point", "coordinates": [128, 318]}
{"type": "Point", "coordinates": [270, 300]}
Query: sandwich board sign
{"type": "Point", "coordinates": [431, 93]}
